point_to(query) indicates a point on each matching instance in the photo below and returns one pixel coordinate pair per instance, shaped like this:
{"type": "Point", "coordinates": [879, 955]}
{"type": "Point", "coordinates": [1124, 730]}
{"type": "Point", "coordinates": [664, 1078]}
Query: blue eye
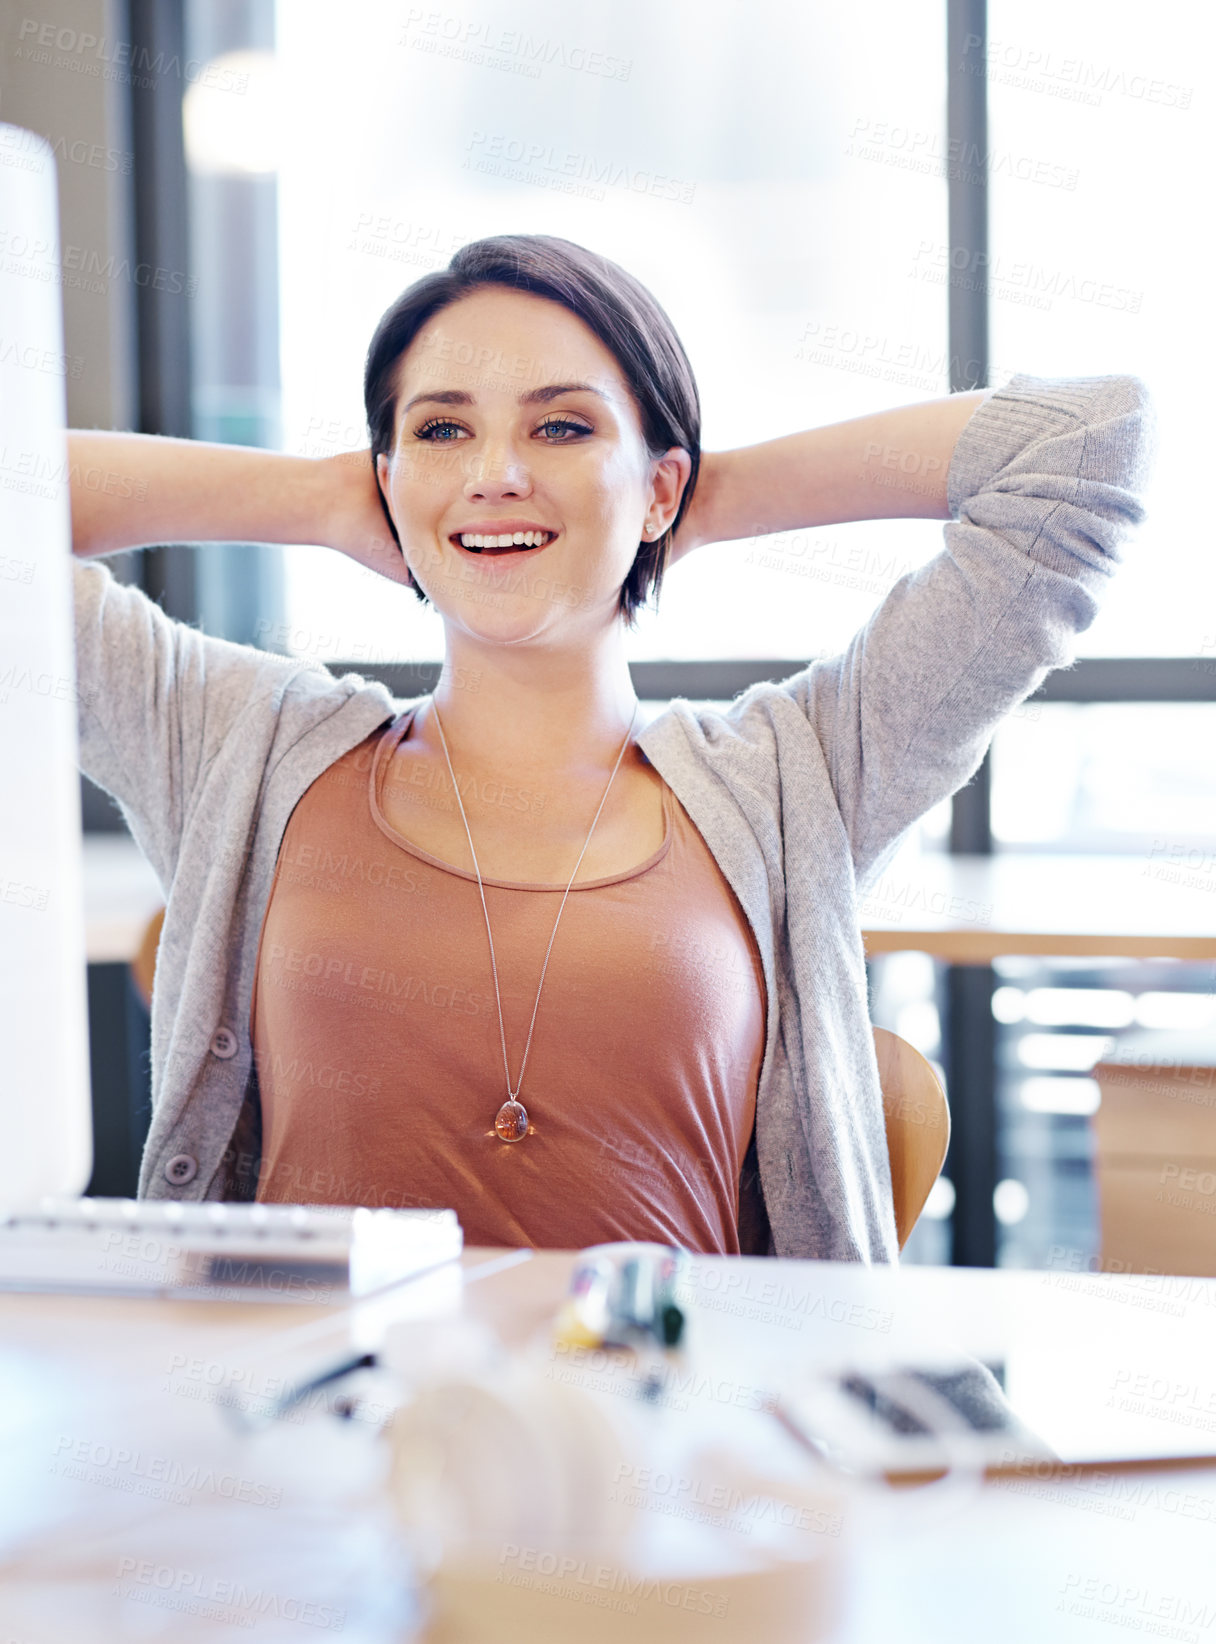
{"type": "Point", "coordinates": [442, 431]}
{"type": "Point", "coordinates": [427, 429]}
{"type": "Point", "coordinates": [565, 422]}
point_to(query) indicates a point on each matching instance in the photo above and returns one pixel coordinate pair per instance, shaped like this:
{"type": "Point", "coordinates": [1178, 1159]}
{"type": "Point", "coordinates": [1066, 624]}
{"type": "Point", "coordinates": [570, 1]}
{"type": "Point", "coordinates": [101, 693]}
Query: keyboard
{"type": "Point", "coordinates": [220, 1252]}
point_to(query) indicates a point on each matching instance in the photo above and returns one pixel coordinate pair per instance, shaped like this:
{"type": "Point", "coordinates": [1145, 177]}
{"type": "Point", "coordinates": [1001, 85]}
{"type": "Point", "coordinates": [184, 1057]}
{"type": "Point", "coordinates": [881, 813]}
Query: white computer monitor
{"type": "Point", "coordinates": [46, 1135]}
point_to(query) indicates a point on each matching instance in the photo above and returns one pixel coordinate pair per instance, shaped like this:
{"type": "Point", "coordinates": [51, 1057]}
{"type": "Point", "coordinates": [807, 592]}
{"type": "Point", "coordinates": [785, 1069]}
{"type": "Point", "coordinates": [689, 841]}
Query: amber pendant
{"type": "Point", "coordinates": [511, 1122]}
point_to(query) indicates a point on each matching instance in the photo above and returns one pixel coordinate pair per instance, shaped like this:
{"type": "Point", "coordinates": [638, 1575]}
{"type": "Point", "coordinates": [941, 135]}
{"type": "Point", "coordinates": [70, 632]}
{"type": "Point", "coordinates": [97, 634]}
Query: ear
{"type": "Point", "coordinates": [383, 473]}
{"type": "Point", "coordinates": [669, 476]}
{"type": "Point", "coordinates": [382, 477]}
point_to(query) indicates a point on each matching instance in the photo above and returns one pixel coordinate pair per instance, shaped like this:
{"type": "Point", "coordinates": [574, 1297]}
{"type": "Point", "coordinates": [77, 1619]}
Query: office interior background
{"type": "Point", "coordinates": [843, 209]}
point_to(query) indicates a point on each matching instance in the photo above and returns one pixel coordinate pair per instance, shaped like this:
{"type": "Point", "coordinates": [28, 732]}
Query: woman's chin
{"type": "Point", "coordinates": [499, 618]}
{"type": "Point", "coordinates": [516, 611]}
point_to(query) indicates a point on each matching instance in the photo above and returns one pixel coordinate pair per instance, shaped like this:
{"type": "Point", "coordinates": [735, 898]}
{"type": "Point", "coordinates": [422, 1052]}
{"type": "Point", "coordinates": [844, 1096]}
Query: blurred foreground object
{"type": "Point", "coordinates": [1155, 1160]}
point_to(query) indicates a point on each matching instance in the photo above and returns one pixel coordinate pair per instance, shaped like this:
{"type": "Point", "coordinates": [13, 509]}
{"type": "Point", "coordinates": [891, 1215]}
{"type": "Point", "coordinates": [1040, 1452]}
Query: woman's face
{"type": "Point", "coordinates": [512, 415]}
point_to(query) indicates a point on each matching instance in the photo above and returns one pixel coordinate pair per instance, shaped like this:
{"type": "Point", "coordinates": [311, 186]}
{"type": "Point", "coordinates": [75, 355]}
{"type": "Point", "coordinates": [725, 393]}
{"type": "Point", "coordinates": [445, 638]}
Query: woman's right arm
{"type": "Point", "coordinates": [158, 698]}
{"type": "Point", "coordinates": [136, 490]}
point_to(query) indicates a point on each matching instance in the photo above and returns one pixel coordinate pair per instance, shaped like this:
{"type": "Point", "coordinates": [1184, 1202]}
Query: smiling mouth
{"type": "Point", "coordinates": [514, 542]}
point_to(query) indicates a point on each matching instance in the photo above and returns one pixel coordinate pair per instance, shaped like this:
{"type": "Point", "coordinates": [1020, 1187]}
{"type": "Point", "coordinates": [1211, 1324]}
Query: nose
{"type": "Point", "coordinates": [495, 475]}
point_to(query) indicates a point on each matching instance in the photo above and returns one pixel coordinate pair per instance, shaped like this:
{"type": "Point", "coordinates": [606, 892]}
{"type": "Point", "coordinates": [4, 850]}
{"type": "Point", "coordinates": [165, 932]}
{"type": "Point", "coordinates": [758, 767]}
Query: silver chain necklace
{"type": "Point", "coordinates": [511, 1120]}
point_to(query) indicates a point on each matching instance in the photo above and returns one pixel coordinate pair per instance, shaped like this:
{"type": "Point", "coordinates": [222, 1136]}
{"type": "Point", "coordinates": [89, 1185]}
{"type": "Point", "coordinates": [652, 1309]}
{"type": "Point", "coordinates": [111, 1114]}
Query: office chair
{"type": "Point", "coordinates": [143, 965]}
{"type": "Point", "coordinates": [918, 1125]}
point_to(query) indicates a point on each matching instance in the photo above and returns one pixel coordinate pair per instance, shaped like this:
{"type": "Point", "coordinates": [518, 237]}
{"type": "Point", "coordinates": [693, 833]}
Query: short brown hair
{"type": "Point", "coordinates": [617, 308]}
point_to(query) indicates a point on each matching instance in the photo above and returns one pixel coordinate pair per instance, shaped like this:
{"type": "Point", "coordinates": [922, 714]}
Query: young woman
{"type": "Point", "coordinates": [507, 948]}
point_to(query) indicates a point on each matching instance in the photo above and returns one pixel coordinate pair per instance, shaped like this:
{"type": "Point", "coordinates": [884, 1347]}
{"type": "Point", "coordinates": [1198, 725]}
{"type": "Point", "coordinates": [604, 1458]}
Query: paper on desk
{"type": "Point", "coordinates": [150, 1516]}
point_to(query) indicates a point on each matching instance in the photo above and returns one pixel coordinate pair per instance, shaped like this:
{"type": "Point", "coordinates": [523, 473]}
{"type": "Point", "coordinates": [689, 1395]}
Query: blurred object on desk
{"type": "Point", "coordinates": [550, 1493]}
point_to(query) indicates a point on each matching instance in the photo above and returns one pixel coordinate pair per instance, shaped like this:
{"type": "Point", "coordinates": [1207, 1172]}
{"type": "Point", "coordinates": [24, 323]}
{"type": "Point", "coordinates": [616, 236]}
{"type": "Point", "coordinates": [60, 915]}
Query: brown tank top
{"type": "Point", "coordinates": [379, 1058]}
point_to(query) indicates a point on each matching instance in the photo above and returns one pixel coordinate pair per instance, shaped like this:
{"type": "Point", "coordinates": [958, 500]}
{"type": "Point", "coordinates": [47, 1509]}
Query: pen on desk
{"type": "Point", "coordinates": [284, 1339]}
{"type": "Point", "coordinates": [347, 1367]}
{"type": "Point", "coordinates": [801, 1434]}
{"type": "Point", "coordinates": [364, 1361]}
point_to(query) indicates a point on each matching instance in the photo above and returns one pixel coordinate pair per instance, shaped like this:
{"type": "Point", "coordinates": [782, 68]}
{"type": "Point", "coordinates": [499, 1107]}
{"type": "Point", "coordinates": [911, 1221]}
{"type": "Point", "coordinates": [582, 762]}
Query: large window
{"type": "Point", "coordinates": [1103, 264]}
{"type": "Point", "coordinates": [1098, 267]}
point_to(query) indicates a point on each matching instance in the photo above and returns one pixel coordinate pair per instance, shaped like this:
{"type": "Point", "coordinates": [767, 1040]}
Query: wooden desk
{"type": "Point", "coordinates": [965, 910]}
{"type": "Point", "coordinates": [107, 1420]}
{"type": "Point", "coordinates": [121, 893]}
{"type": "Point", "coordinates": [970, 910]}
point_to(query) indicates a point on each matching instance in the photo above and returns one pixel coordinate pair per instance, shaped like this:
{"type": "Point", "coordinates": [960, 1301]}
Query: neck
{"type": "Point", "coordinates": [545, 711]}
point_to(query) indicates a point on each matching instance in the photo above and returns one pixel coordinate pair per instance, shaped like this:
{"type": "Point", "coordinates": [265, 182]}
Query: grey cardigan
{"type": "Point", "coordinates": [801, 790]}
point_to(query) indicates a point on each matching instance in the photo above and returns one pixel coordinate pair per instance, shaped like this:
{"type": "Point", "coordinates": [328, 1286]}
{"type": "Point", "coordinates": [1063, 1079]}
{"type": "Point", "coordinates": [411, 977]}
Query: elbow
{"type": "Point", "coordinates": [1126, 443]}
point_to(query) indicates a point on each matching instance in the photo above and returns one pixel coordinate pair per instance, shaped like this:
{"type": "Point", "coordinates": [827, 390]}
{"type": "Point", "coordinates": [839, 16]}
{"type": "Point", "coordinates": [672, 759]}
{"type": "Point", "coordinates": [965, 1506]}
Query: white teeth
{"type": "Point", "coordinates": [516, 539]}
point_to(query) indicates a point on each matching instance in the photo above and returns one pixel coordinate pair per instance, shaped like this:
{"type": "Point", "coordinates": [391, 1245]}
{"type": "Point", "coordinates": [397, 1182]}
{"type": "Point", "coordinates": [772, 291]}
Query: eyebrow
{"type": "Point", "coordinates": [531, 396]}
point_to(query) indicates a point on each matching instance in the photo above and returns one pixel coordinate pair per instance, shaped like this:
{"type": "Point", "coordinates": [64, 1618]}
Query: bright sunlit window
{"type": "Point", "coordinates": [1096, 269]}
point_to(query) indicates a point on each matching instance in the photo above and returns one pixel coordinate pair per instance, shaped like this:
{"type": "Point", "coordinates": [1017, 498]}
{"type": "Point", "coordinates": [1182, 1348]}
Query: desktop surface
{"type": "Point", "coordinates": [126, 1440]}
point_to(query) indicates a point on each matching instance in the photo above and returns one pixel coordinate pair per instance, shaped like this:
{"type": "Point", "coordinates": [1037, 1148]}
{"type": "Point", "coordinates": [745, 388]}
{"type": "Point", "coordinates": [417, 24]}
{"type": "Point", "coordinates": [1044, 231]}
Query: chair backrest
{"type": "Point", "coordinates": [143, 965]}
{"type": "Point", "coordinates": [918, 1125]}
{"type": "Point", "coordinates": [914, 1103]}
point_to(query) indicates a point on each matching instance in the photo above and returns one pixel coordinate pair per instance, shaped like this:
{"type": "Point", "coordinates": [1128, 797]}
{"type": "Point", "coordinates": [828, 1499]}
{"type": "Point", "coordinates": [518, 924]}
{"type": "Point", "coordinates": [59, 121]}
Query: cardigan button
{"type": "Point", "coordinates": [181, 1168]}
{"type": "Point", "coordinates": [223, 1043]}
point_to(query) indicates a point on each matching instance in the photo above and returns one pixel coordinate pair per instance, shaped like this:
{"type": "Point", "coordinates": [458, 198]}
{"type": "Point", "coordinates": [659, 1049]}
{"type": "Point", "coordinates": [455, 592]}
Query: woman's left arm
{"type": "Point", "coordinates": [1039, 482]}
{"type": "Point", "coordinates": [889, 465]}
